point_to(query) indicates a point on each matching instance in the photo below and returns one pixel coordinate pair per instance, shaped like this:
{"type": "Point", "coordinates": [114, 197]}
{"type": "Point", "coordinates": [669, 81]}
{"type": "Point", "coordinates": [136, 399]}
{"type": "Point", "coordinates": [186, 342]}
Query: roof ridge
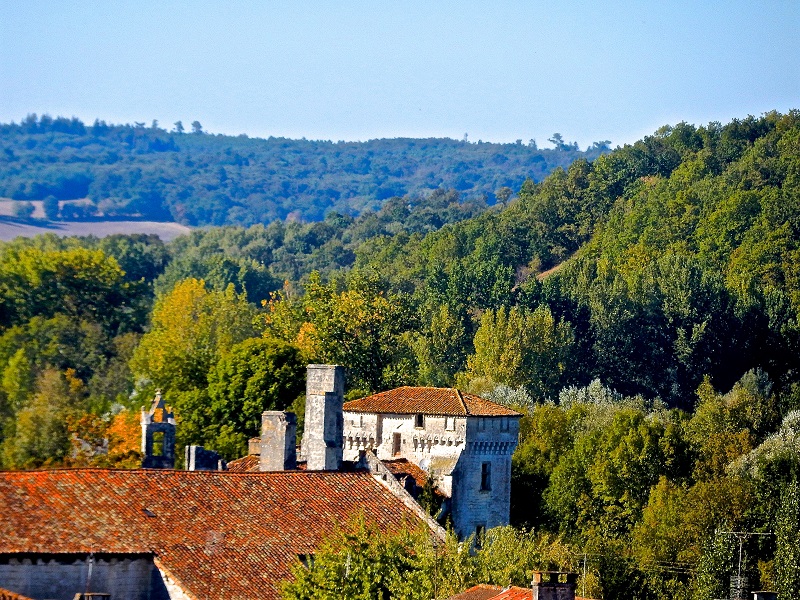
{"type": "Point", "coordinates": [461, 399]}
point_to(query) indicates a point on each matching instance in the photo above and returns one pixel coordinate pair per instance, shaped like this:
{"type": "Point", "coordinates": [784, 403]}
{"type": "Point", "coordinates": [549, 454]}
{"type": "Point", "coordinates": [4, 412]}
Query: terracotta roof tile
{"type": "Point", "coordinates": [249, 463]}
{"type": "Point", "coordinates": [8, 595]}
{"type": "Point", "coordinates": [402, 466]}
{"type": "Point", "coordinates": [221, 534]}
{"type": "Point", "coordinates": [478, 592]}
{"type": "Point", "coordinates": [515, 593]}
{"type": "Point", "coordinates": [429, 400]}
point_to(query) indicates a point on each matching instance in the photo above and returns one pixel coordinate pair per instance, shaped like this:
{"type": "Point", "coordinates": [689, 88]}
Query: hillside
{"type": "Point", "coordinates": [202, 179]}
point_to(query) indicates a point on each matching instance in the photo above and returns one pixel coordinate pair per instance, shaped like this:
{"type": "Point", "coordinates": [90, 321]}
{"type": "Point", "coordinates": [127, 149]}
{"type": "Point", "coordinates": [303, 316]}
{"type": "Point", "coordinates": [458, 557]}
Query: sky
{"type": "Point", "coordinates": [356, 70]}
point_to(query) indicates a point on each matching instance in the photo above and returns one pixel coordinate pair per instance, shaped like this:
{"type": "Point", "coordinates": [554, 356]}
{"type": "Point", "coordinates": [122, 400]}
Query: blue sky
{"type": "Point", "coordinates": [498, 71]}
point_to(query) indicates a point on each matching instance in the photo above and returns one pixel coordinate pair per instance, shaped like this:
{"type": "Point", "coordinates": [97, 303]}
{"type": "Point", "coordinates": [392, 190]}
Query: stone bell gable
{"type": "Point", "coordinates": [158, 435]}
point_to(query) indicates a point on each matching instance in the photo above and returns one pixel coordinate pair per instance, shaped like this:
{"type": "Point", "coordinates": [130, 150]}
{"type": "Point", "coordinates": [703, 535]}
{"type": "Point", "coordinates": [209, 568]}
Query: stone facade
{"type": "Point", "coordinates": [61, 577]}
{"type": "Point", "coordinates": [468, 457]}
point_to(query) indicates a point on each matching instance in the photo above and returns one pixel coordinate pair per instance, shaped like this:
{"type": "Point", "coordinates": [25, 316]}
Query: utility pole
{"type": "Point", "coordinates": [742, 536]}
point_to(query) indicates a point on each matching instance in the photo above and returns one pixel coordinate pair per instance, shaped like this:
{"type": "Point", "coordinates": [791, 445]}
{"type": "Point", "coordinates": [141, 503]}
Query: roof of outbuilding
{"type": "Point", "coordinates": [429, 400]}
{"type": "Point", "coordinates": [478, 592]}
{"type": "Point", "coordinates": [222, 535]}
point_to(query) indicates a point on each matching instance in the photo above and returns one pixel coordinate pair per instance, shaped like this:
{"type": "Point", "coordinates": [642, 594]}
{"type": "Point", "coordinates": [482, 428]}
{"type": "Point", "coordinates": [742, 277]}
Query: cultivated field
{"type": "Point", "coordinates": [10, 229]}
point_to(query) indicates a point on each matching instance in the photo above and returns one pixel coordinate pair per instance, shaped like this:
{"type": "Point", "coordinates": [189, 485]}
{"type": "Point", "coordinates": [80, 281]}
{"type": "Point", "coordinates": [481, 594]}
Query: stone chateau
{"type": "Point", "coordinates": [234, 531]}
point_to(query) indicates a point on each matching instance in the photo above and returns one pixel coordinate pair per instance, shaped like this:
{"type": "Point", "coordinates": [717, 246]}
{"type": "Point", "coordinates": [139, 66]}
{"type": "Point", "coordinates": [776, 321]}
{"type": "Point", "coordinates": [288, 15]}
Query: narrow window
{"type": "Point", "coordinates": [486, 476]}
{"type": "Point", "coordinates": [419, 421]}
{"type": "Point", "coordinates": [450, 423]}
{"type": "Point", "coordinates": [396, 444]}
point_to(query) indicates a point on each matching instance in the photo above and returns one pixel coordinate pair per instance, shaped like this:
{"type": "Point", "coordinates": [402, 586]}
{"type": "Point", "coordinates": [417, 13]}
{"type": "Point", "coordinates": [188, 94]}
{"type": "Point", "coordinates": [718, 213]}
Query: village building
{"type": "Point", "coordinates": [234, 531]}
{"type": "Point", "coordinates": [463, 442]}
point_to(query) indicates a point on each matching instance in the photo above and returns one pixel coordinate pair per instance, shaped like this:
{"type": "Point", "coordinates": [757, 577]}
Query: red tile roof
{"type": "Point", "coordinates": [245, 464]}
{"type": "Point", "coordinates": [402, 466]}
{"type": "Point", "coordinates": [492, 592]}
{"type": "Point", "coordinates": [221, 534]}
{"type": "Point", "coordinates": [428, 400]}
{"type": "Point", "coordinates": [478, 592]}
{"type": "Point", "coordinates": [8, 595]}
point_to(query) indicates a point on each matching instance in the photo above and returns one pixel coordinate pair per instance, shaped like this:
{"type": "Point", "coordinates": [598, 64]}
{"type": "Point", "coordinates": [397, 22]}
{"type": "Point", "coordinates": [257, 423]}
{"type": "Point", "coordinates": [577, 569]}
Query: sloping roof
{"type": "Point", "coordinates": [493, 592]}
{"type": "Point", "coordinates": [247, 463]}
{"type": "Point", "coordinates": [221, 534]}
{"type": "Point", "coordinates": [402, 466]}
{"type": "Point", "coordinates": [9, 595]}
{"type": "Point", "coordinates": [478, 592]}
{"type": "Point", "coordinates": [429, 400]}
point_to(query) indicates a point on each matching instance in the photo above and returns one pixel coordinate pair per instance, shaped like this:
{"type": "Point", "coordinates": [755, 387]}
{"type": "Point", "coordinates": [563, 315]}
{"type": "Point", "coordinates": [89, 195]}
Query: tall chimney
{"type": "Point", "coordinates": [323, 438]}
{"type": "Point", "coordinates": [278, 432]}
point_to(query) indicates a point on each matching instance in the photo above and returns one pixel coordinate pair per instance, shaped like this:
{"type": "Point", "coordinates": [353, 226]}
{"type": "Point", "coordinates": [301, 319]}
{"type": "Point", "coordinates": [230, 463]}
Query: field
{"type": "Point", "coordinates": [11, 228]}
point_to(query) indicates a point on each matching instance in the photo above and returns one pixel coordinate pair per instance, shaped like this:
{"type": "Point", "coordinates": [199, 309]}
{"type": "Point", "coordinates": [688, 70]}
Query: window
{"type": "Point", "coordinates": [419, 421]}
{"type": "Point", "coordinates": [486, 476]}
{"type": "Point", "coordinates": [504, 424]}
{"type": "Point", "coordinates": [396, 444]}
{"type": "Point", "coordinates": [481, 424]}
{"type": "Point", "coordinates": [450, 423]}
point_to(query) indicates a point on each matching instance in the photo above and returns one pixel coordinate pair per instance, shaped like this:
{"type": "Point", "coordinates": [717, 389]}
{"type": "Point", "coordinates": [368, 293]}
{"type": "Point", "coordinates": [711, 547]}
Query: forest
{"type": "Point", "coordinates": [641, 309]}
{"type": "Point", "coordinates": [205, 179]}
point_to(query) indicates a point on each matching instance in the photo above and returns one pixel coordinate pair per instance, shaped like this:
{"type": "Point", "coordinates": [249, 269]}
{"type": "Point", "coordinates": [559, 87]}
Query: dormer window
{"type": "Point", "coordinates": [419, 421]}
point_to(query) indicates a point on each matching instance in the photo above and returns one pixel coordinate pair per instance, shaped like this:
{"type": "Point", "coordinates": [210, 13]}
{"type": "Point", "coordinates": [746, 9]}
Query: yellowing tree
{"type": "Point", "coordinates": [518, 347]}
{"type": "Point", "coordinates": [191, 328]}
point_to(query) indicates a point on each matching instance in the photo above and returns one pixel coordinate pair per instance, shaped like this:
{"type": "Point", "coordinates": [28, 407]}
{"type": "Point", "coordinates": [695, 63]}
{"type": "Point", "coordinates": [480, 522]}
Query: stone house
{"type": "Point", "coordinates": [463, 442]}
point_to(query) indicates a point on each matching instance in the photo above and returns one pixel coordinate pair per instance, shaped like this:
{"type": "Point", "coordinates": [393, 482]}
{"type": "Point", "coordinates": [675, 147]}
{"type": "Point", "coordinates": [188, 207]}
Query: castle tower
{"type": "Point", "coordinates": [323, 437]}
{"type": "Point", "coordinates": [158, 435]}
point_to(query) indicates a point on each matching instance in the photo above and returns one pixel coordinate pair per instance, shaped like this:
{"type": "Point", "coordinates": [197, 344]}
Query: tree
{"type": "Point", "coordinates": [518, 347]}
{"type": "Point", "coordinates": [197, 127]}
{"type": "Point", "coordinates": [255, 375]}
{"type": "Point", "coordinates": [787, 553]}
{"type": "Point", "coordinates": [503, 194]}
{"type": "Point", "coordinates": [360, 327]}
{"type": "Point", "coordinates": [51, 207]}
{"type": "Point", "coordinates": [178, 127]}
{"type": "Point", "coordinates": [23, 210]}
{"type": "Point", "coordinates": [191, 329]}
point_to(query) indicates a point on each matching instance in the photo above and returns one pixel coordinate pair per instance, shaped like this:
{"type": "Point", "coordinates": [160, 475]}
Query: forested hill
{"type": "Point", "coordinates": [202, 179]}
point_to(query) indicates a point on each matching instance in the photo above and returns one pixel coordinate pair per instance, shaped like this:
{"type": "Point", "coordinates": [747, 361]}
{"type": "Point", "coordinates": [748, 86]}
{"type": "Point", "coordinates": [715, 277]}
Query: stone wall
{"type": "Point", "coordinates": [60, 577]}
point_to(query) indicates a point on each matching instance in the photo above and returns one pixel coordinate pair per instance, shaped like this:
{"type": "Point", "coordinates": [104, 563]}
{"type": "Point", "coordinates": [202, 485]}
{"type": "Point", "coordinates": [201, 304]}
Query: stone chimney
{"type": "Point", "coordinates": [200, 459]}
{"type": "Point", "coordinates": [554, 585]}
{"type": "Point", "coordinates": [158, 435]}
{"type": "Point", "coordinates": [278, 438]}
{"type": "Point", "coordinates": [323, 438]}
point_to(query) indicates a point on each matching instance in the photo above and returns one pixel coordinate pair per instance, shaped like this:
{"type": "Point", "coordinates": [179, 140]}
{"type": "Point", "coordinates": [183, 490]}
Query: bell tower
{"type": "Point", "coordinates": [158, 435]}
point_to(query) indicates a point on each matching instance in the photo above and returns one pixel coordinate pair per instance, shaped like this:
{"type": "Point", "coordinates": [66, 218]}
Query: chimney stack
{"type": "Point", "coordinates": [554, 585]}
{"type": "Point", "coordinates": [323, 438]}
{"type": "Point", "coordinates": [278, 433]}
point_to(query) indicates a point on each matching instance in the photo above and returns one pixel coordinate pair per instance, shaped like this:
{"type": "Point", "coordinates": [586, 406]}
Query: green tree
{"type": "Point", "coordinates": [787, 553]}
{"type": "Point", "coordinates": [51, 208]}
{"type": "Point", "coordinates": [361, 327]}
{"type": "Point", "coordinates": [516, 347]}
{"type": "Point", "coordinates": [191, 329]}
{"type": "Point", "coordinates": [253, 376]}
{"type": "Point", "coordinates": [23, 210]}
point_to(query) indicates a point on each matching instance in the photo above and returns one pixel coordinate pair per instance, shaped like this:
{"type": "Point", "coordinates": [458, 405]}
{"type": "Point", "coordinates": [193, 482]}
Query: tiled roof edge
{"type": "Point", "coordinates": [159, 563]}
